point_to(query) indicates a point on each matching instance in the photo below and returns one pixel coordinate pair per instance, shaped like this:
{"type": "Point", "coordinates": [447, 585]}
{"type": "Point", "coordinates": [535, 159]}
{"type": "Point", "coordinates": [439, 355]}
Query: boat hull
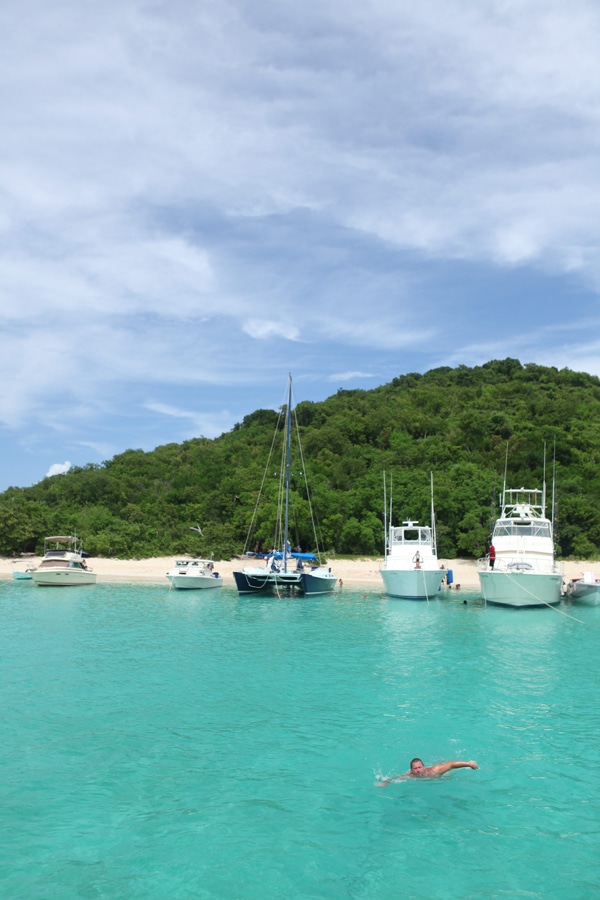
{"type": "Point", "coordinates": [584, 594]}
{"type": "Point", "coordinates": [57, 577]}
{"type": "Point", "coordinates": [194, 582]}
{"type": "Point", "coordinates": [412, 584]}
{"type": "Point", "coordinates": [257, 581]}
{"type": "Point", "coordinates": [521, 589]}
{"type": "Point", "coordinates": [318, 581]}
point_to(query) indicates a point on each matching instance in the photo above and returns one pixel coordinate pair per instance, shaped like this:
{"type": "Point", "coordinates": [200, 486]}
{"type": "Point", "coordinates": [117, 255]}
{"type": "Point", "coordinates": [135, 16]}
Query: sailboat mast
{"type": "Point", "coordinates": [504, 482]}
{"type": "Point", "coordinates": [553, 484]}
{"type": "Point", "coordinates": [385, 526]}
{"type": "Point", "coordinates": [544, 484]}
{"type": "Point", "coordinates": [288, 449]}
{"type": "Point", "coordinates": [433, 533]}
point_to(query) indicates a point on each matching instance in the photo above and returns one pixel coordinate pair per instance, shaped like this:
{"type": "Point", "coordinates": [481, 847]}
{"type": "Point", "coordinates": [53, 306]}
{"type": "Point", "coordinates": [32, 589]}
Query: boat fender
{"type": "Point", "coordinates": [449, 576]}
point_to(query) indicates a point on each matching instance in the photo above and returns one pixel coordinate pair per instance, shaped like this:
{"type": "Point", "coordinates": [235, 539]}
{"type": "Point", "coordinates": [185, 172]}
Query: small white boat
{"type": "Point", "coordinates": [411, 570]}
{"type": "Point", "coordinates": [524, 572]}
{"type": "Point", "coordinates": [63, 563]}
{"type": "Point", "coordinates": [22, 576]}
{"type": "Point", "coordinates": [585, 590]}
{"type": "Point", "coordinates": [194, 573]}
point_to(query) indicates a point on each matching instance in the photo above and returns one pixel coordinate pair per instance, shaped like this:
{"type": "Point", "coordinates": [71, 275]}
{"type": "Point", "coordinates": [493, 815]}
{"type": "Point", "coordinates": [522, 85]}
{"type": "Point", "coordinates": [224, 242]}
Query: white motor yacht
{"type": "Point", "coordinates": [523, 572]}
{"type": "Point", "coordinates": [193, 573]}
{"type": "Point", "coordinates": [411, 570]}
{"type": "Point", "coordinates": [63, 563]}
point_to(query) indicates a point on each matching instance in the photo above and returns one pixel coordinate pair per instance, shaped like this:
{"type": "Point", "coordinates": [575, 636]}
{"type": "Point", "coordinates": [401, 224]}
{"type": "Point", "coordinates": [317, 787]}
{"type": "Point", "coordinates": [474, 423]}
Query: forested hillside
{"type": "Point", "coordinates": [456, 423]}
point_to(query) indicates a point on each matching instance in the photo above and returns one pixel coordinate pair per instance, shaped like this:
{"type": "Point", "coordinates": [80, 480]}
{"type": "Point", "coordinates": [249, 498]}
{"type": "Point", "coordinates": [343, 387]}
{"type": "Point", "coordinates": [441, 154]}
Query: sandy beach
{"type": "Point", "coordinates": [358, 572]}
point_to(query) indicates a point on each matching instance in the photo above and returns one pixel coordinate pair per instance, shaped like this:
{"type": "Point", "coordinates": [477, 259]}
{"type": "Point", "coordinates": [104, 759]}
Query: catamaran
{"type": "Point", "coordinates": [283, 568]}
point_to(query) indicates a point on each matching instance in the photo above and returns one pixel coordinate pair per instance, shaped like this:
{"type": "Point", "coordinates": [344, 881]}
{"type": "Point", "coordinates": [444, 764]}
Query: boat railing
{"type": "Point", "coordinates": [516, 565]}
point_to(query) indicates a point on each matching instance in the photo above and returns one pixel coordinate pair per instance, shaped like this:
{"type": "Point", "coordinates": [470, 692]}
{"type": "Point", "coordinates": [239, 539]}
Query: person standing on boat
{"type": "Point", "coordinates": [417, 560]}
{"type": "Point", "coordinates": [419, 770]}
{"type": "Point", "coordinates": [492, 556]}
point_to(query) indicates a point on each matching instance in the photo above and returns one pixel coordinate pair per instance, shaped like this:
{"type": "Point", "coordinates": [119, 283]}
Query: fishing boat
{"type": "Point", "coordinates": [521, 570]}
{"type": "Point", "coordinates": [63, 563]}
{"type": "Point", "coordinates": [284, 569]}
{"type": "Point", "coordinates": [194, 573]}
{"type": "Point", "coordinates": [584, 590]}
{"type": "Point", "coordinates": [411, 570]}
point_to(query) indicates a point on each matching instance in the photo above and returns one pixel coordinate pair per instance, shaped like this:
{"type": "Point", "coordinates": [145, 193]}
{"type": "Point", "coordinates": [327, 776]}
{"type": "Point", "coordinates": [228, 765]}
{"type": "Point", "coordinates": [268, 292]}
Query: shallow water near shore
{"type": "Point", "coordinates": [160, 743]}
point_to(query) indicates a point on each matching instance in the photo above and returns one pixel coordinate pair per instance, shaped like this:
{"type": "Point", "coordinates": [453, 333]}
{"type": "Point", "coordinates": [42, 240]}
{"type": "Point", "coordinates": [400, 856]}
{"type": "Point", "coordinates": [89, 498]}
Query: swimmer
{"type": "Point", "coordinates": [419, 770]}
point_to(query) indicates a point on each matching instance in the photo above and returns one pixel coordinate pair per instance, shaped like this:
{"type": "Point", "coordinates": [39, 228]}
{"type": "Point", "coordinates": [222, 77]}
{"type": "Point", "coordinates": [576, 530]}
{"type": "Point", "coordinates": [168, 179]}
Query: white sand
{"type": "Point", "coordinates": [359, 572]}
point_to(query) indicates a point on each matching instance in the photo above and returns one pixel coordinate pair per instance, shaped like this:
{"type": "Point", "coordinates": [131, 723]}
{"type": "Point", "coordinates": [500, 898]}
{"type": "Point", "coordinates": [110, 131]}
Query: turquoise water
{"type": "Point", "coordinates": [162, 744]}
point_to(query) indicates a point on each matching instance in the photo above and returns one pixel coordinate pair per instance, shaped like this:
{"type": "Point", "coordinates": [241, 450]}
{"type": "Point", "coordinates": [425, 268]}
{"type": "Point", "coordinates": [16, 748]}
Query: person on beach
{"type": "Point", "coordinates": [419, 770]}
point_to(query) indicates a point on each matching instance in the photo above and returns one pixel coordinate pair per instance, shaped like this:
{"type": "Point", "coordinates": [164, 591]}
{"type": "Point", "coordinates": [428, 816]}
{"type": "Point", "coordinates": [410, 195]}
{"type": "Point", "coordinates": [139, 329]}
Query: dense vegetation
{"type": "Point", "coordinates": [457, 423]}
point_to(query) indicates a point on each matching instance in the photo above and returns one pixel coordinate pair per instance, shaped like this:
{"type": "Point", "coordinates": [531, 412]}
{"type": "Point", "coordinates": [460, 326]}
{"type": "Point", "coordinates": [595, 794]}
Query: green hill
{"type": "Point", "coordinates": [456, 422]}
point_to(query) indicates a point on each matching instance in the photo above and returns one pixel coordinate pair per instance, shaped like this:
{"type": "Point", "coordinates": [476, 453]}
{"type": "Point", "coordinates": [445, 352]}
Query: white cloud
{"type": "Point", "coordinates": [58, 469]}
{"type": "Point", "coordinates": [262, 329]}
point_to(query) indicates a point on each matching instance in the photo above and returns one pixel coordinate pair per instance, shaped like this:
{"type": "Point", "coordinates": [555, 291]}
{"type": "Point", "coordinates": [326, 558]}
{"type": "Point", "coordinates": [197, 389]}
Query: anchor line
{"type": "Point", "coordinates": [545, 603]}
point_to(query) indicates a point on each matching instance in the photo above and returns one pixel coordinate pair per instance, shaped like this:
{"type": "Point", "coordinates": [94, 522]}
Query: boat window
{"type": "Point", "coordinates": [522, 529]}
{"type": "Point", "coordinates": [411, 536]}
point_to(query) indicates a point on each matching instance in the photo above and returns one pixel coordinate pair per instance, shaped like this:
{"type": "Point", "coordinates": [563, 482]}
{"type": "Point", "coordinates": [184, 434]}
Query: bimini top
{"type": "Point", "coordinates": [73, 544]}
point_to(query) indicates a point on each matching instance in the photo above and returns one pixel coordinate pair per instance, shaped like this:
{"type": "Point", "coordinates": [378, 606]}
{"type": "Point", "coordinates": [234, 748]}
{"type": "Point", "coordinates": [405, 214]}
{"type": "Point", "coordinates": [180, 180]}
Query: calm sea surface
{"type": "Point", "coordinates": [163, 744]}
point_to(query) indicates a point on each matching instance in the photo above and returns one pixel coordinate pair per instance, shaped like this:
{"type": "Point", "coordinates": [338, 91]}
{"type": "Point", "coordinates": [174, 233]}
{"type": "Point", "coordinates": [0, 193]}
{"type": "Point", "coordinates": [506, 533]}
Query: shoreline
{"type": "Point", "coordinates": [362, 572]}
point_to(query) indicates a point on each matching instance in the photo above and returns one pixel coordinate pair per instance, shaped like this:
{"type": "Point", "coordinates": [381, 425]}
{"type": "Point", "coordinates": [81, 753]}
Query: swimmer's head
{"type": "Point", "coordinates": [416, 766]}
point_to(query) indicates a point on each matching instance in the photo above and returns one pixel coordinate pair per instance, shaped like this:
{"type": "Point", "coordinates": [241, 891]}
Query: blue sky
{"type": "Point", "coordinates": [200, 197]}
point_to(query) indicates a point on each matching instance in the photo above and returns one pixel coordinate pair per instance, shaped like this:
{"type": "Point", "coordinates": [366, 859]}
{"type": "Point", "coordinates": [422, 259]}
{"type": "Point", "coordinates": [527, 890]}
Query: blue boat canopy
{"type": "Point", "coordinates": [278, 554]}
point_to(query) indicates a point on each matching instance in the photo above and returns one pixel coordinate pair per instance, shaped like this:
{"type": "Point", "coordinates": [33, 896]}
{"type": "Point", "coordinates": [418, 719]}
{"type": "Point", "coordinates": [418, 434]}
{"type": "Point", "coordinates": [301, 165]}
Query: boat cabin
{"type": "Point", "coordinates": [522, 528]}
{"type": "Point", "coordinates": [409, 535]}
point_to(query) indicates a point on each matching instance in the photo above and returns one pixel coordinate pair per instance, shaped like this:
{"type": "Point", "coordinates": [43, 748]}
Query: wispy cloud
{"type": "Point", "coordinates": [349, 376]}
{"type": "Point", "coordinates": [198, 423]}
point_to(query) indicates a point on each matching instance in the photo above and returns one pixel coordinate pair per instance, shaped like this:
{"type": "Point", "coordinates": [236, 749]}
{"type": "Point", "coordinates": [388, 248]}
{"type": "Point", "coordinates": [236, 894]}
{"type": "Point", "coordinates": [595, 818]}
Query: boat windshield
{"type": "Point", "coordinates": [411, 535]}
{"type": "Point", "coordinates": [522, 528]}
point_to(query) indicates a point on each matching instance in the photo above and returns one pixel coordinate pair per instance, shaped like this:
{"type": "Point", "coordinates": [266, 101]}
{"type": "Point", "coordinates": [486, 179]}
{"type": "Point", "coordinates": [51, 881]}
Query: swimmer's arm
{"type": "Point", "coordinates": [453, 764]}
{"type": "Point", "coordinates": [387, 781]}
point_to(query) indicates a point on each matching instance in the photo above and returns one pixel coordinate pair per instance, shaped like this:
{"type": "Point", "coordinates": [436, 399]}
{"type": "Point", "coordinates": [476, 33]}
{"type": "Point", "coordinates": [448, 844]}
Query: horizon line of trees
{"type": "Point", "coordinates": [459, 423]}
